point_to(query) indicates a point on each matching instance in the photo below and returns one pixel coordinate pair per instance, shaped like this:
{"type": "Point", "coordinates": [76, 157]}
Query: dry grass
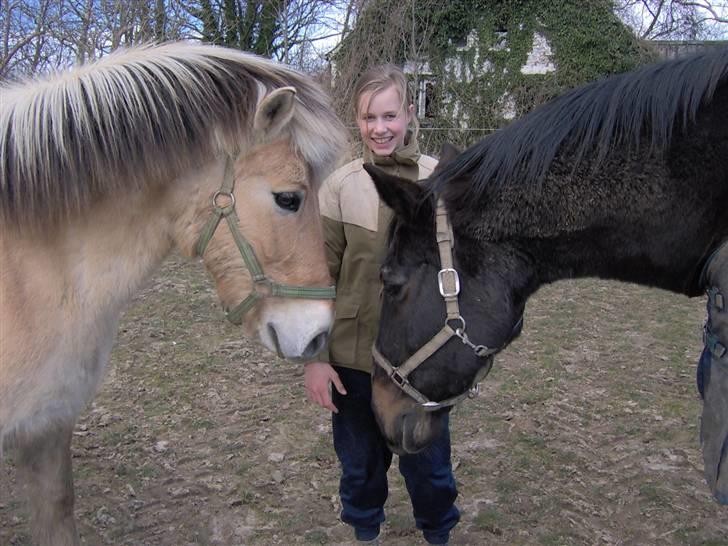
{"type": "Point", "coordinates": [585, 433]}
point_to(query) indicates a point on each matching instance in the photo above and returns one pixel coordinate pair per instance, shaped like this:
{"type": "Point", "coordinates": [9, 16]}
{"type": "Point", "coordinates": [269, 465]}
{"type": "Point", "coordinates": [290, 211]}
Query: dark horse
{"type": "Point", "coordinates": [625, 178]}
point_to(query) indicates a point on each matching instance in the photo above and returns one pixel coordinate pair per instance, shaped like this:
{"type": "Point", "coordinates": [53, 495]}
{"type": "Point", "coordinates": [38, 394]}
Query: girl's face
{"type": "Point", "coordinates": [383, 120]}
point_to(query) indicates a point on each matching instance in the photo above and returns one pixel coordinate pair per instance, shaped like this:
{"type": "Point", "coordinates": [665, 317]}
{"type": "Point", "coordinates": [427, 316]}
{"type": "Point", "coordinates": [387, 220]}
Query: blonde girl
{"type": "Point", "coordinates": [355, 224]}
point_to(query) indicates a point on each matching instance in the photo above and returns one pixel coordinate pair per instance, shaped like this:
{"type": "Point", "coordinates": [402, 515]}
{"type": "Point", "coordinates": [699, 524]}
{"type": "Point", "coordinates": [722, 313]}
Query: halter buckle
{"type": "Point", "coordinates": [449, 277]}
{"type": "Point", "coordinates": [398, 378]}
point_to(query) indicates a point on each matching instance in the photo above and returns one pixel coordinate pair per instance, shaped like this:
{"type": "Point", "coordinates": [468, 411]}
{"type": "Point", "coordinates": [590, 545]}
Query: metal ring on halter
{"type": "Point", "coordinates": [458, 331]}
{"type": "Point", "coordinates": [226, 194]}
{"type": "Point", "coordinates": [440, 282]}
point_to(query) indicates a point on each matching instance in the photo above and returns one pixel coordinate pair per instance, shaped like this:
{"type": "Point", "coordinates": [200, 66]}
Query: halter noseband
{"type": "Point", "coordinates": [448, 282]}
{"type": "Point", "coordinates": [263, 286]}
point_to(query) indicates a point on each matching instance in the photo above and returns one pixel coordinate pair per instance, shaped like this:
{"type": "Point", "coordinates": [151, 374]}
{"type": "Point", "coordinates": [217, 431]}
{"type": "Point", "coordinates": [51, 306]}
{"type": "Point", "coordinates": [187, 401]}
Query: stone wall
{"type": "Point", "coordinates": [672, 49]}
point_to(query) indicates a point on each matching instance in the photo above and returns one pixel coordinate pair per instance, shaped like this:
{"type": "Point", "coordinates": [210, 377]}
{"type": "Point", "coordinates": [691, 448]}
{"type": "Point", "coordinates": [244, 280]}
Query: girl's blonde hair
{"type": "Point", "coordinates": [380, 77]}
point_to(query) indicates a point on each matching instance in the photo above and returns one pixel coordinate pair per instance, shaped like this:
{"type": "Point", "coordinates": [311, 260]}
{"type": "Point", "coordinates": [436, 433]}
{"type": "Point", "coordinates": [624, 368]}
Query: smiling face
{"type": "Point", "coordinates": [383, 118]}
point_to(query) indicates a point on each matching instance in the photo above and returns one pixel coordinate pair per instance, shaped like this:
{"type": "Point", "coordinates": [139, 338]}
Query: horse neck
{"type": "Point", "coordinates": [103, 256]}
{"type": "Point", "coordinates": [613, 225]}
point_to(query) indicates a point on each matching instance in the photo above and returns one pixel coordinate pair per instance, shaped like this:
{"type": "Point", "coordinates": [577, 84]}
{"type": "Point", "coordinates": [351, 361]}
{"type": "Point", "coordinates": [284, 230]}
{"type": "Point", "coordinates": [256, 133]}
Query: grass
{"type": "Point", "coordinates": [558, 449]}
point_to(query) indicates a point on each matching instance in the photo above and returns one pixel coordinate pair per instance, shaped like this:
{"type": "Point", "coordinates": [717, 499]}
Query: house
{"type": "Point", "coordinates": [477, 65]}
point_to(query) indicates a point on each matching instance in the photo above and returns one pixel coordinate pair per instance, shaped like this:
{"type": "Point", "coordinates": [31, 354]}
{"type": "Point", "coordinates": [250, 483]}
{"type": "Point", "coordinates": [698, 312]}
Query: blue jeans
{"type": "Point", "coordinates": [365, 459]}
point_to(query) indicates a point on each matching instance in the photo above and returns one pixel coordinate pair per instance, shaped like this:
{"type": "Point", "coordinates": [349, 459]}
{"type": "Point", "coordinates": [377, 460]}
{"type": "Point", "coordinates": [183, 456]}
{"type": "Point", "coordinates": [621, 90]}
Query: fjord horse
{"type": "Point", "coordinates": [105, 169]}
{"type": "Point", "coordinates": [625, 178]}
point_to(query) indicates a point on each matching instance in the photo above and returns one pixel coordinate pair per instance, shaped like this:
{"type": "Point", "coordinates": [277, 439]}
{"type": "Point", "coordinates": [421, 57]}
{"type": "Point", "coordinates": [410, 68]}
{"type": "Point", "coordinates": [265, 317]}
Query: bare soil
{"type": "Point", "coordinates": [585, 433]}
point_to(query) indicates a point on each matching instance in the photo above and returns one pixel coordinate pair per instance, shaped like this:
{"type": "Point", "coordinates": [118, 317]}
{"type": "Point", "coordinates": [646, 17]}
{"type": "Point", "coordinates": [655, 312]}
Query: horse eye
{"type": "Point", "coordinates": [392, 281]}
{"type": "Point", "coordinates": [288, 200]}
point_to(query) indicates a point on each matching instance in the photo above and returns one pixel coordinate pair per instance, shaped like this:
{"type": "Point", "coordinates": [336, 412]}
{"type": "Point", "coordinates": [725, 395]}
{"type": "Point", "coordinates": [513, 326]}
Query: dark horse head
{"type": "Point", "coordinates": [414, 311]}
{"type": "Point", "coordinates": [625, 178]}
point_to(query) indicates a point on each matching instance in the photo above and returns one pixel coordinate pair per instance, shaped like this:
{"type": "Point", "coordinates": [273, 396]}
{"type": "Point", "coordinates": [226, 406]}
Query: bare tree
{"type": "Point", "coordinates": [41, 34]}
{"type": "Point", "coordinates": [675, 19]}
{"type": "Point", "coordinates": [24, 35]}
{"type": "Point", "coordinates": [384, 31]}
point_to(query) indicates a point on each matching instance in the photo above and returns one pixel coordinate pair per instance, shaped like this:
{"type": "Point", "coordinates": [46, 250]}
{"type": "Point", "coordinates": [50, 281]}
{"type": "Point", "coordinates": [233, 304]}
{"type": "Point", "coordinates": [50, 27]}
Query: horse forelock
{"type": "Point", "coordinates": [633, 110]}
{"type": "Point", "coordinates": [139, 117]}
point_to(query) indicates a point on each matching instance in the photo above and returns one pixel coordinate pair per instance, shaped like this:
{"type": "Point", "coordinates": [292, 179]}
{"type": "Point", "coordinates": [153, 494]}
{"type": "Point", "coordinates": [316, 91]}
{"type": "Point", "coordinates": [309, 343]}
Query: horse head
{"type": "Point", "coordinates": [428, 354]}
{"type": "Point", "coordinates": [268, 261]}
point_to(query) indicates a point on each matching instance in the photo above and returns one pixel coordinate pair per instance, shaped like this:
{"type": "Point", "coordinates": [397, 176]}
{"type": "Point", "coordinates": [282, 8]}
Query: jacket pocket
{"type": "Point", "coordinates": [344, 334]}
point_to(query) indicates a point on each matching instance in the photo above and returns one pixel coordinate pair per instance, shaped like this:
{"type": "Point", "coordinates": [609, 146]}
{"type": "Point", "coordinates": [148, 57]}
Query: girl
{"type": "Point", "coordinates": [355, 224]}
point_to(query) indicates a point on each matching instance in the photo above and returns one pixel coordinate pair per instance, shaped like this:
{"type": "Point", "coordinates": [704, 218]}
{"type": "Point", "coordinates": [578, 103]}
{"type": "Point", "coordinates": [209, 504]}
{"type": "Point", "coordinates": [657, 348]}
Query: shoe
{"type": "Point", "coordinates": [367, 536]}
{"type": "Point", "coordinates": [372, 542]}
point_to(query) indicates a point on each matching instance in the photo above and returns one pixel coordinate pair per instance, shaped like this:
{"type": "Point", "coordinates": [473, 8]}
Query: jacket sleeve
{"type": "Point", "coordinates": [335, 241]}
{"type": "Point", "coordinates": [333, 224]}
{"type": "Point", "coordinates": [334, 236]}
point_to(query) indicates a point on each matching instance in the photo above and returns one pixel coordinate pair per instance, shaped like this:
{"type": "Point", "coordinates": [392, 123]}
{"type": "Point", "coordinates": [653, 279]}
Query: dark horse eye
{"type": "Point", "coordinates": [288, 200]}
{"type": "Point", "coordinates": [392, 280]}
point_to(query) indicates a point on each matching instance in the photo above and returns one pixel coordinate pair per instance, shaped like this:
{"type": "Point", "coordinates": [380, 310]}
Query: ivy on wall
{"type": "Point", "coordinates": [476, 48]}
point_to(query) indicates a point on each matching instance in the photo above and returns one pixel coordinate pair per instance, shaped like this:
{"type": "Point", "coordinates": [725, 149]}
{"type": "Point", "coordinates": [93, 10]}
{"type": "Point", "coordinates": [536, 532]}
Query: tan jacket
{"type": "Point", "coordinates": [355, 228]}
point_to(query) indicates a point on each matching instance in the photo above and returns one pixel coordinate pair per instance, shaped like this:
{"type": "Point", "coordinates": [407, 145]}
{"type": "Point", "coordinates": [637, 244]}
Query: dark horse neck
{"type": "Point", "coordinates": [648, 218]}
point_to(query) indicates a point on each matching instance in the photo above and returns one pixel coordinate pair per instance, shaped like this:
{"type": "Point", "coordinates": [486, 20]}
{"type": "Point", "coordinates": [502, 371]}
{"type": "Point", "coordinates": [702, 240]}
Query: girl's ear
{"type": "Point", "coordinates": [401, 195]}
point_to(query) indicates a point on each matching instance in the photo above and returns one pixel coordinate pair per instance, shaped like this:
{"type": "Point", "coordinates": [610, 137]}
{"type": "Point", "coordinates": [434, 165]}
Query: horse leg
{"type": "Point", "coordinates": [44, 466]}
{"type": "Point", "coordinates": [713, 380]}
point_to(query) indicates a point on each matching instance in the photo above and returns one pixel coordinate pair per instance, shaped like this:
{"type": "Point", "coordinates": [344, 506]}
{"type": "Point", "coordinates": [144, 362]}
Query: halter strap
{"type": "Point", "coordinates": [263, 286]}
{"type": "Point", "coordinates": [448, 282]}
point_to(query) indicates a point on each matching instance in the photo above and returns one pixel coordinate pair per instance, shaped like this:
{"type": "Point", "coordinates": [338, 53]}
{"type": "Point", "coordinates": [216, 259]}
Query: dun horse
{"type": "Point", "coordinates": [103, 171]}
{"type": "Point", "coordinates": [625, 178]}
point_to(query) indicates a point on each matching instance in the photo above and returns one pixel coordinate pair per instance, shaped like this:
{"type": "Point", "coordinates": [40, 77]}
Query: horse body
{"type": "Point", "coordinates": [100, 185]}
{"type": "Point", "coordinates": [632, 187]}
{"type": "Point", "coordinates": [651, 221]}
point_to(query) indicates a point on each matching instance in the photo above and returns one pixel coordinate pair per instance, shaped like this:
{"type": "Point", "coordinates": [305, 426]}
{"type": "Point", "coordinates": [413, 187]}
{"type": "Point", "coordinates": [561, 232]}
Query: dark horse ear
{"type": "Point", "coordinates": [401, 195]}
{"type": "Point", "coordinates": [448, 152]}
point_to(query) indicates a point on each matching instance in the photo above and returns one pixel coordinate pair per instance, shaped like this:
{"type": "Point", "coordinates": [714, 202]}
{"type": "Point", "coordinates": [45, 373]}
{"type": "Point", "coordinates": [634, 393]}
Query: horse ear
{"type": "Point", "coordinates": [448, 152]}
{"type": "Point", "coordinates": [274, 112]}
{"type": "Point", "coordinates": [400, 194]}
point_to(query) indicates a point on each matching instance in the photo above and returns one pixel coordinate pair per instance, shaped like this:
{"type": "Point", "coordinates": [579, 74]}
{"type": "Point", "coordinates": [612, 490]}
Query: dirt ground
{"type": "Point", "coordinates": [585, 433]}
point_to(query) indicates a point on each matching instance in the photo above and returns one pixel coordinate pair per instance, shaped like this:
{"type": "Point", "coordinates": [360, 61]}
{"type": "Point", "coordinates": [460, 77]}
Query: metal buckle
{"type": "Point", "coordinates": [397, 378]}
{"type": "Point", "coordinates": [441, 284]}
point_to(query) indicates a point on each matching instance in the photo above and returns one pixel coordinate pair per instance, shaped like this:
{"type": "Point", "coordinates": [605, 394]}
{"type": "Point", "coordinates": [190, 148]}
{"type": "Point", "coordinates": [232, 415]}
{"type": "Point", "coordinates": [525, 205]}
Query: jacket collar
{"type": "Point", "coordinates": [402, 162]}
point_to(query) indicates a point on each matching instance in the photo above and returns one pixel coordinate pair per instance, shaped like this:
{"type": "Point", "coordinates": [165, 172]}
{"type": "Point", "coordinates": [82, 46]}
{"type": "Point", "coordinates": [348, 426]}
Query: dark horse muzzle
{"type": "Point", "coordinates": [448, 282]}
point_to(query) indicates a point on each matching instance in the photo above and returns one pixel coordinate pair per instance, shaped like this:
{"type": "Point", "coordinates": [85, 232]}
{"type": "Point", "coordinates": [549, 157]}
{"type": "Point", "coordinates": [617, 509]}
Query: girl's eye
{"type": "Point", "coordinates": [288, 200]}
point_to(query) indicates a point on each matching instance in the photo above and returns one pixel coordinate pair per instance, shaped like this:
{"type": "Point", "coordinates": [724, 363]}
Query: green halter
{"type": "Point", "coordinates": [263, 286]}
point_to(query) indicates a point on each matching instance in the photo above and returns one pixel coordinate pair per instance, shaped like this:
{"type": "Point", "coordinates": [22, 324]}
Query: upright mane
{"type": "Point", "coordinates": [138, 116]}
{"type": "Point", "coordinates": [621, 110]}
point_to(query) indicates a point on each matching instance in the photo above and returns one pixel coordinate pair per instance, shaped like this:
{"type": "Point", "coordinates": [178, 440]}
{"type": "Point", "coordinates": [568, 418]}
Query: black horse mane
{"type": "Point", "coordinates": [592, 120]}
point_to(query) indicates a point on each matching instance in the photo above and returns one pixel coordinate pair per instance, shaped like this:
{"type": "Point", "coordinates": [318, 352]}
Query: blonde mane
{"type": "Point", "coordinates": [141, 116]}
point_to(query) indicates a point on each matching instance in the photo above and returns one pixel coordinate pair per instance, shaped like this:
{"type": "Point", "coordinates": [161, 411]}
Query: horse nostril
{"type": "Point", "coordinates": [315, 345]}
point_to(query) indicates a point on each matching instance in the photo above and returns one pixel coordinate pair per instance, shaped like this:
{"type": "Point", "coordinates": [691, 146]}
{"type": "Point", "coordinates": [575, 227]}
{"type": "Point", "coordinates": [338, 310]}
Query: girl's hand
{"type": "Point", "coordinates": [318, 377]}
